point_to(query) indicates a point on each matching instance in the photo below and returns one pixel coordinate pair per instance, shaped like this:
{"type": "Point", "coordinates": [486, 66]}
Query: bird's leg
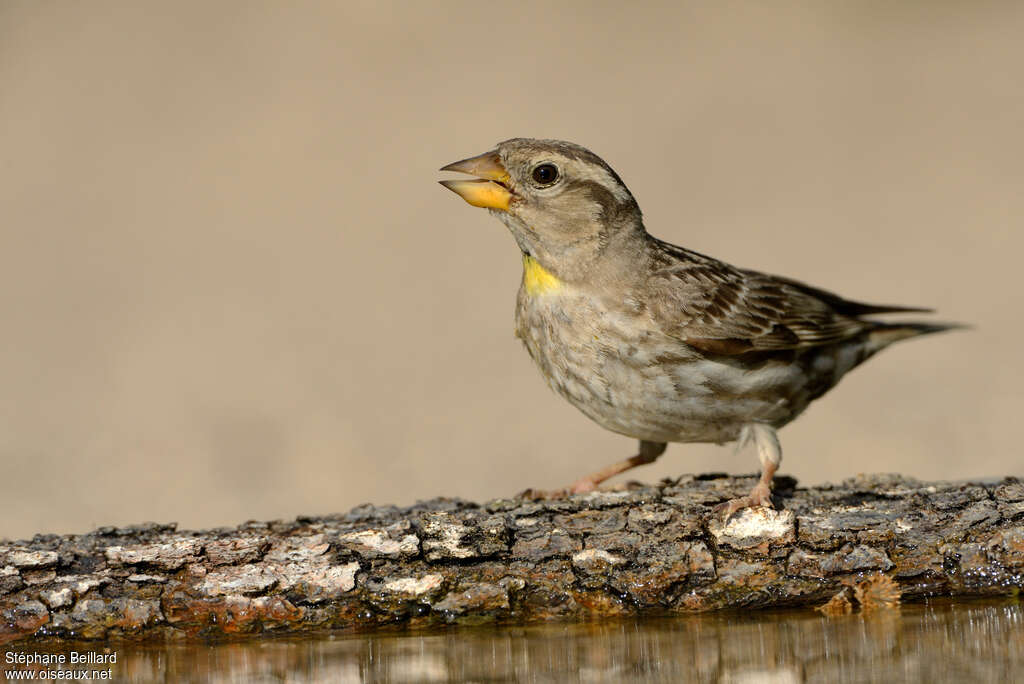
{"type": "Point", "coordinates": [649, 452]}
{"type": "Point", "coordinates": [770, 454]}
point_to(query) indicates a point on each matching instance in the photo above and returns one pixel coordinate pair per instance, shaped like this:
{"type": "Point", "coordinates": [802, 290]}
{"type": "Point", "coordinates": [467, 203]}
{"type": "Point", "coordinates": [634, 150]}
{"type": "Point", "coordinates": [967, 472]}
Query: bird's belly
{"type": "Point", "coordinates": [634, 380]}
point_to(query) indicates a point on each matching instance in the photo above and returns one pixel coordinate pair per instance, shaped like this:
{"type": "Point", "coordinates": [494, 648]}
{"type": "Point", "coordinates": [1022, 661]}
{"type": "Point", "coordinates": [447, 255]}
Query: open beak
{"type": "Point", "coordinates": [490, 190]}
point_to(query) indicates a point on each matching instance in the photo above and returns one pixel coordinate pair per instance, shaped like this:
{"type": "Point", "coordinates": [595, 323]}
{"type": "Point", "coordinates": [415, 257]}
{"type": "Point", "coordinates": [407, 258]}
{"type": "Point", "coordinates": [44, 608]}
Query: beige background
{"type": "Point", "coordinates": [231, 288]}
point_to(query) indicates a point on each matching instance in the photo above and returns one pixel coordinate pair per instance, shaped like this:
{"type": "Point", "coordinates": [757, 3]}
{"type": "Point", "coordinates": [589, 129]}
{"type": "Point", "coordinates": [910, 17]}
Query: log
{"type": "Point", "coordinates": [641, 550]}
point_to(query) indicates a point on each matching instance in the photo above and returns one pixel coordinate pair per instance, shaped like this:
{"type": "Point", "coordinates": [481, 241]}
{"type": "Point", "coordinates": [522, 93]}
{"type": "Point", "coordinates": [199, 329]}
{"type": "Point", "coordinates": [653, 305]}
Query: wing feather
{"type": "Point", "coordinates": [720, 309]}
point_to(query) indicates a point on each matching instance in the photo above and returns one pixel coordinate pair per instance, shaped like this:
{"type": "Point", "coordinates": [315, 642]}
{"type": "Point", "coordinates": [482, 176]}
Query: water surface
{"type": "Point", "coordinates": [935, 641]}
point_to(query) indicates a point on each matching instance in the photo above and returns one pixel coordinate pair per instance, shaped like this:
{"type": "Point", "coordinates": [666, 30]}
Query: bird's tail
{"type": "Point", "coordinates": [884, 334]}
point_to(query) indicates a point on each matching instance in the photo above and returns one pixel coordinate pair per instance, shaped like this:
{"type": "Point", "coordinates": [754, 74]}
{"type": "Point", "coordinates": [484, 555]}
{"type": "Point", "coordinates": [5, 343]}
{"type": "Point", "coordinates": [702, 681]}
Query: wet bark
{"type": "Point", "coordinates": [644, 550]}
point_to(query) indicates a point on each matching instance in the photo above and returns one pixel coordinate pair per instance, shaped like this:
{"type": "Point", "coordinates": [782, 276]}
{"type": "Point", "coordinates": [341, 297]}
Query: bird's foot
{"type": "Point", "coordinates": [760, 495]}
{"type": "Point", "coordinates": [532, 494]}
{"type": "Point", "coordinates": [581, 486]}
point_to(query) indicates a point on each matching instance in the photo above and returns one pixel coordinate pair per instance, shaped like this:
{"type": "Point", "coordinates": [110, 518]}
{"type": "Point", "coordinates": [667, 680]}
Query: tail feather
{"type": "Point", "coordinates": [884, 334]}
{"type": "Point", "coordinates": [849, 307]}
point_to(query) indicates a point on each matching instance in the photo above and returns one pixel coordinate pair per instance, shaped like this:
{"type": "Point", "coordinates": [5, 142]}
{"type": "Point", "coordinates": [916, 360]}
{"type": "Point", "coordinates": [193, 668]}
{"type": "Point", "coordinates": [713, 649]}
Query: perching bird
{"type": "Point", "coordinates": [651, 340]}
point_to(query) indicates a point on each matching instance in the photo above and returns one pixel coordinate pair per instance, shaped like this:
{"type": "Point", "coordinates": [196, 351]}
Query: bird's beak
{"type": "Point", "coordinates": [491, 191]}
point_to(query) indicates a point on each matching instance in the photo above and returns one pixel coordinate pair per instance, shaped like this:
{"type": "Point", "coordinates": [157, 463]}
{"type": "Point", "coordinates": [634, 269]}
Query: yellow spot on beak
{"type": "Point", "coordinates": [538, 280]}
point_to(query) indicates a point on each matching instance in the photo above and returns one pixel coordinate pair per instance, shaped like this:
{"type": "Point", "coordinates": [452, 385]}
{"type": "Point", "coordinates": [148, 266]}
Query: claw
{"type": "Point", "coordinates": [760, 495]}
{"type": "Point", "coordinates": [532, 494]}
{"type": "Point", "coordinates": [581, 486]}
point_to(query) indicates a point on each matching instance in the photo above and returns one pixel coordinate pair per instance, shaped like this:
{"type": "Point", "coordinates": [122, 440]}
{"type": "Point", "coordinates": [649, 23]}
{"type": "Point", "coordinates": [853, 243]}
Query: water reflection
{"type": "Point", "coordinates": [939, 641]}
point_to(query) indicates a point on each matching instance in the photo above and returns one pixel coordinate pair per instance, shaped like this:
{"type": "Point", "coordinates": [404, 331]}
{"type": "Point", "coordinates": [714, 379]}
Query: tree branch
{"type": "Point", "coordinates": [645, 550]}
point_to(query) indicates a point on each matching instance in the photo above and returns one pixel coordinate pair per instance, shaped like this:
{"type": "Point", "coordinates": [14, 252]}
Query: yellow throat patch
{"type": "Point", "coordinates": [536, 279]}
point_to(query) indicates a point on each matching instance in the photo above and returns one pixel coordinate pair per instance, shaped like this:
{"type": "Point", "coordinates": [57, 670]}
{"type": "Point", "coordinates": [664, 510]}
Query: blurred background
{"type": "Point", "coordinates": [231, 288]}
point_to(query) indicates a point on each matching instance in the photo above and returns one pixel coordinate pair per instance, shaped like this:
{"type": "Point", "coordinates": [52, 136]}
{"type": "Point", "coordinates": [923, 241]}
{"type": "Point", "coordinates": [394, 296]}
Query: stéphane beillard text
{"type": "Point", "coordinates": [72, 658]}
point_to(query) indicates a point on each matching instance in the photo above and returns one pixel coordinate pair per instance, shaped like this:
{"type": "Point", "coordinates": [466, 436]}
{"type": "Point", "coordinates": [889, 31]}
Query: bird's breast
{"type": "Point", "coordinates": [621, 370]}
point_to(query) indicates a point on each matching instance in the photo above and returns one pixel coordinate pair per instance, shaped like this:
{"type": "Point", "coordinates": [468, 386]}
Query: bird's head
{"type": "Point", "coordinates": [563, 203]}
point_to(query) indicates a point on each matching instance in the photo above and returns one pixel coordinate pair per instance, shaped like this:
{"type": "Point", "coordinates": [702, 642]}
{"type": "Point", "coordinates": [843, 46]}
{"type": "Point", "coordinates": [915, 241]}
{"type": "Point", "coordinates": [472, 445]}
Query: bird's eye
{"type": "Point", "coordinates": [545, 174]}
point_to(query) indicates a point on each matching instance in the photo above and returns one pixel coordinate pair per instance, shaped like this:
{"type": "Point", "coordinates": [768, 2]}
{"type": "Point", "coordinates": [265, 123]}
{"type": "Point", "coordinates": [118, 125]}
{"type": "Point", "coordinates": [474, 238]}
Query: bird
{"type": "Point", "coordinates": [655, 341]}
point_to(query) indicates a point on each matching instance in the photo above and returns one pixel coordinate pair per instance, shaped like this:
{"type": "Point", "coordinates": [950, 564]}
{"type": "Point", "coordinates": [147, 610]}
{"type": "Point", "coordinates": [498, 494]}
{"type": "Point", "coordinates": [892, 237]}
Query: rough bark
{"type": "Point", "coordinates": [645, 550]}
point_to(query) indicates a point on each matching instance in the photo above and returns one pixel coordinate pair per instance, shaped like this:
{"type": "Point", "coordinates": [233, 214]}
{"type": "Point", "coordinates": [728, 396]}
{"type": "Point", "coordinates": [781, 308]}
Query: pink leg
{"type": "Point", "coordinates": [649, 452]}
{"type": "Point", "coordinates": [769, 452]}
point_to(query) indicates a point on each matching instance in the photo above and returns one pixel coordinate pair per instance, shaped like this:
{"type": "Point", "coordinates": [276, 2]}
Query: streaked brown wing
{"type": "Point", "coordinates": [846, 307]}
{"type": "Point", "coordinates": [723, 310]}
